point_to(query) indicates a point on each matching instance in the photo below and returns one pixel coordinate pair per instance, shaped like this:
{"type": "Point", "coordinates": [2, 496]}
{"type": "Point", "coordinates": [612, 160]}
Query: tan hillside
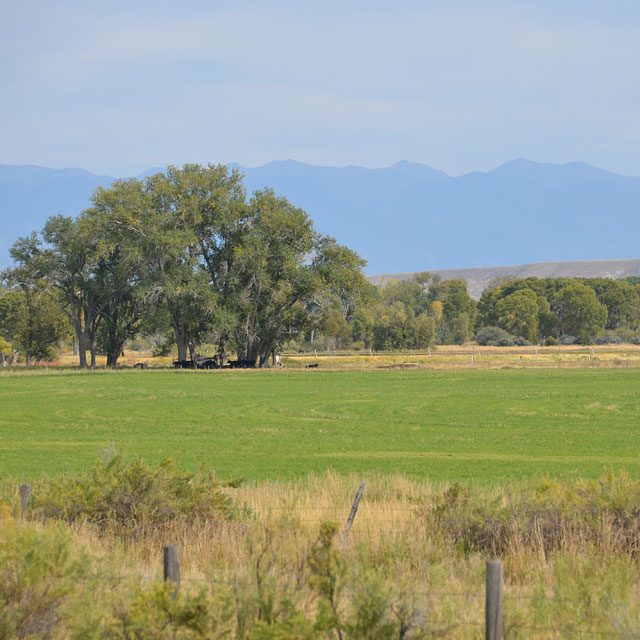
{"type": "Point", "coordinates": [478, 279]}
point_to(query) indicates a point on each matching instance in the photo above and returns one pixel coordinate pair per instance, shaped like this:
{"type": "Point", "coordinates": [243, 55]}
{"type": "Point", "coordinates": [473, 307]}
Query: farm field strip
{"type": "Point", "coordinates": [483, 426]}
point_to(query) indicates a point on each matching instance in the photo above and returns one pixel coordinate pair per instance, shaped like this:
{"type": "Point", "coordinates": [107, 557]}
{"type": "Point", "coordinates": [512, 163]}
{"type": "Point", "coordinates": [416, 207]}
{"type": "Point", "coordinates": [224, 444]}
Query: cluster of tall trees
{"type": "Point", "coordinates": [426, 310]}
{"type": "Point", "coordinates": [547, 309]}
{"type": "Point", "coordinates": [184, 251]}
{"type": "Point", "coordinates": [187, 255]}
{"type": "Point", "coordinates": [417, 313]}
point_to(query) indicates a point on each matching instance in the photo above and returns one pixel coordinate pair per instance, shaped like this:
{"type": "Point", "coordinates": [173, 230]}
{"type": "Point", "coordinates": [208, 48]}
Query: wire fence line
{"type": "Point", "coordinates": [442, 626]}
{"type": "Point", "coordinates": [426, 594]}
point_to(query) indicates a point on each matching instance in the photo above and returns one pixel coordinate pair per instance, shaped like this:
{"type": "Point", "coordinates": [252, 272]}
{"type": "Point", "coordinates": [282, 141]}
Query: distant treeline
{"type": "Point", "coordinates": [185, 259]}
{"type": "Point", "coordinates": [512, 311]}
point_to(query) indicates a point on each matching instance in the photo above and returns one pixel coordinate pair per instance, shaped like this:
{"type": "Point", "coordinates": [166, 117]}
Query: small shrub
{"type": "Point", "coordinates": [131, 495]}
{"type": "Point", "coordinates": [494, 337]}
{"type": "Point", "coordinates": [602, 514]}
{"type": "Point", "coordinates": [608, 337]}
{"type": "Point", "coordinates": [38, 570]}
{"type": "Point", "coordinates": [152, 614]}
{"type": "Point", "coordinates": [550, 341]}
{"type": "Point", "coordinates": [566, 339]}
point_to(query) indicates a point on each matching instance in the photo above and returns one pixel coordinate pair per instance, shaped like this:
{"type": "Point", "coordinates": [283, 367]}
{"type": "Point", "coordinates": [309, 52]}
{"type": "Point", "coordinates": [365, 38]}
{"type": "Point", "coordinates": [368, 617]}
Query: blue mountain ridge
{"type": "Point", "coordinates": [406, 217]}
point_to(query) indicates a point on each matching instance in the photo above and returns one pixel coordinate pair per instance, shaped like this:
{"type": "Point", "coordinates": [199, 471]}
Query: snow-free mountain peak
{"type": "Point", "coordinates": [402, 218]}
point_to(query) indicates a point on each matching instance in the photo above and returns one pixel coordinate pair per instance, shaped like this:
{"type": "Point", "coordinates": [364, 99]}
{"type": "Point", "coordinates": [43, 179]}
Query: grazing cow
{"type": "Point", "coordinates": [242, 364]}
{"type": "Point", "coordinates": [312, 366]}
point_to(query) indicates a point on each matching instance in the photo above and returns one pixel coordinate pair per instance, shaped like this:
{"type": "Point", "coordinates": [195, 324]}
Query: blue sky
{"type": "Point", "coordinates": [118, 87]}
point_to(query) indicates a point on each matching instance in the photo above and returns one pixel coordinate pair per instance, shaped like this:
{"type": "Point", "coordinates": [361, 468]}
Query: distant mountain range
{"type": "Point", "coordinates": [404, 218]}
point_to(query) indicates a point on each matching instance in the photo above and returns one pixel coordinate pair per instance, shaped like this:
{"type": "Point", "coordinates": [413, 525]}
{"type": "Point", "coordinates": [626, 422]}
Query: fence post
{"type": "Point", "coordinates": [493, 603]}
{"type": "Point", "coordinates": [25, 492]}
{"type": "Point", "coordinates": [352, 515]}
{"type": "Point", "coordinates": [172, 566]}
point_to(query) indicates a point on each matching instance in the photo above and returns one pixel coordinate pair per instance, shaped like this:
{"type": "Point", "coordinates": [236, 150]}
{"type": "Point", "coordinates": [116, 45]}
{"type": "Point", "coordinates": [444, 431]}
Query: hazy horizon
{"type": "Point", "coordinates": [462, 87]}
{"type": "Point", "coordinates": [328, 166]}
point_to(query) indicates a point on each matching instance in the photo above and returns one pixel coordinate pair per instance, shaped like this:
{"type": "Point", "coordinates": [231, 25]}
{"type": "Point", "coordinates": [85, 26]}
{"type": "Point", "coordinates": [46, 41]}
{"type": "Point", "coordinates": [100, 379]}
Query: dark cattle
{"type": "Point", "coordinates": [242, 364]}
{"type": "Point", "coordinates": [311, 366]}
{"type": "Point", "coordinates": [207, 363]}
{"type": "Point", "coordinates": [140, 365]}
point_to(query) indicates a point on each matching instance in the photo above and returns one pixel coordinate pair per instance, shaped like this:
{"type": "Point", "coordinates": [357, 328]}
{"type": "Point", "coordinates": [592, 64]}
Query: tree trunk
{"type": "Point", "coordinates": [27, 361]}
{"type": "Point", "coordinates": [264, 358]}
{"type": "Point", "coordinates": [93, 349]}
{"type": "Point", "coordinates": [252, 350]}
{"type": "Point", "coordinates": [14, 356]}
{"type": "Point", "coordinates": [3, 359]}
{"type": "Point", "coordinates": [82, 350]}
{"type": "Point", "coordinates": [112, 357]}
{"type": "Point", "coordinates": [114, 346]}
{"type": "Point", "coordinates": [182, 342]}
{"type": "Point", "coordinates": [75, 346]}
{"type": "Point", "coordinates": [222, 354]}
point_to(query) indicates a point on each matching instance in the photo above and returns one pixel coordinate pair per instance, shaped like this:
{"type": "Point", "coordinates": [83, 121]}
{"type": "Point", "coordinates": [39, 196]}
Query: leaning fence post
{"type": "Point", "coordinates": [25, 492]}
{"type": "Point", "coordinates": [493, 603]}
{"type": "Point", "coordinates": [172, 566]}
{"type": "Point", "coordinates": [352, 515]}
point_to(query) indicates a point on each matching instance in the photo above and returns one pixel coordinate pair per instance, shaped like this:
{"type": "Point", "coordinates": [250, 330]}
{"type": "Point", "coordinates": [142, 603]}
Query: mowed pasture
{"type": "Point", "coordinates": [446, 426]}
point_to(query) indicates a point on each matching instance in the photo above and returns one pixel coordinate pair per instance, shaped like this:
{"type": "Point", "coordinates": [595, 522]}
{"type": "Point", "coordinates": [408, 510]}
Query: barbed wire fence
{"type": "Point", "coordinates": [494, 601]}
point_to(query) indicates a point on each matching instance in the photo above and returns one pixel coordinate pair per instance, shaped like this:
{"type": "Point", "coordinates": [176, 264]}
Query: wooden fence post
{"type": "Point", "coordinates": [25, 492]}
{"type": "Point", "coordinates": [352, 515]}
{"type": "Point", "coordinates": [493, 603]}
{"type": "Point", "coordinates": [172, 566]}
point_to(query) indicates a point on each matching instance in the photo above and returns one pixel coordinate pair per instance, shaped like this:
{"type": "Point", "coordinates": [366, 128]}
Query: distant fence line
{"type": "Point", "coordinates": [451, 350]}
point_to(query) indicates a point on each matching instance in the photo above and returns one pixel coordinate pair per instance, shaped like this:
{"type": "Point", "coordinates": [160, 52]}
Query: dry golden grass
{"type": "Point", "coordinates": [587, 581]}
{"type": "Point", "coordinates": [582, 585]}
{"type": "Point", "coordinates": [471, 356]}
{"type": "Point", "coordinates": [465, 356]}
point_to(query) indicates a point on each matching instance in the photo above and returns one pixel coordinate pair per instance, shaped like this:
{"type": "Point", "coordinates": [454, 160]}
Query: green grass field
{"type": "Point", "coordinates": [486, 426]}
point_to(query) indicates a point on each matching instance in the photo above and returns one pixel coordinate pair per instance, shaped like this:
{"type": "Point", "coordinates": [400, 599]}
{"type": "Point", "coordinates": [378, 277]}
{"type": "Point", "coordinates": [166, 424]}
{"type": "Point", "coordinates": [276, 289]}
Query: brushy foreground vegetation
{"type": "Point", "coordinates": [263, 561]}
{"type": "Point", "coordinates": [448, 426]}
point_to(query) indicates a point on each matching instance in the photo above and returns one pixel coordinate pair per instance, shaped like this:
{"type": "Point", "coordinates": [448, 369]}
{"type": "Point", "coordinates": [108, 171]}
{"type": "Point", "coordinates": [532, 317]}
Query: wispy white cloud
{"type": "Point", "coordinates": [461, 85]}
